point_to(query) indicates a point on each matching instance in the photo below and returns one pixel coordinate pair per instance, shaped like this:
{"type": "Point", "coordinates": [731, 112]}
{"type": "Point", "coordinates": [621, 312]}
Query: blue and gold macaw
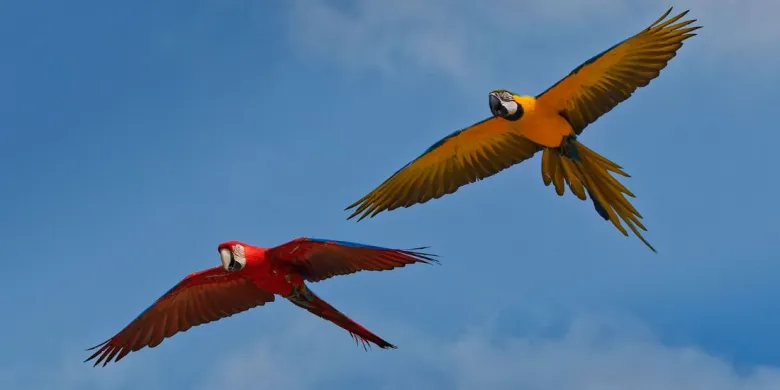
{"type": "Point", "coordinates": [550, 122]}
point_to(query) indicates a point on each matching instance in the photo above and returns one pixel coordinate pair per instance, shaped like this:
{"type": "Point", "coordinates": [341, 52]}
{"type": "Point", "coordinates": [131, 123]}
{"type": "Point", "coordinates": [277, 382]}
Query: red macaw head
{"type": "Point", "coordinates": [232, 255]}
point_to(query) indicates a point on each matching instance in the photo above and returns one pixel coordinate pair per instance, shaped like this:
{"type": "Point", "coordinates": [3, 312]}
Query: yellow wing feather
{"type": "Point", "coordinates": [463, 157]}
{"type": "Point", "coordinates": [591, 174]}
{"type": "Point", "coordinates": [601, 83]}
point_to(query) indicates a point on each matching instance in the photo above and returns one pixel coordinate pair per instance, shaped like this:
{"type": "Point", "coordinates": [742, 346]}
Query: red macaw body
{"type": "Point", "coordinates": [252, 276]}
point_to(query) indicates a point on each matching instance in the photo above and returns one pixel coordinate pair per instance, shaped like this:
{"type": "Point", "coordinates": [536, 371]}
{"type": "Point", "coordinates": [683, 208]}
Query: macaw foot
{"type": "Point", "coordinates": [569, 149]}
{"type": "Point", "coordinates": [301, 296]}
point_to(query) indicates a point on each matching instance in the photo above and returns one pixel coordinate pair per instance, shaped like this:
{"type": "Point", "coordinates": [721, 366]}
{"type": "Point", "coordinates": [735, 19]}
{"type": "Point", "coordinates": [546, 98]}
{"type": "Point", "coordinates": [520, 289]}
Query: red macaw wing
{"type": "Point", "coordinates": [199, 298]}
{"type": "Point", "coordinates": [319, 259]}
{"type": "Point", "coordinates": [601, 83]}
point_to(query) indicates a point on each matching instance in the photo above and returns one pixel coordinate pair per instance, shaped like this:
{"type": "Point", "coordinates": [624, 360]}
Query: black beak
{"type": "Point", "coordinates": [234, 265]}
{"type": "Point", "coordinates": [495, 106]}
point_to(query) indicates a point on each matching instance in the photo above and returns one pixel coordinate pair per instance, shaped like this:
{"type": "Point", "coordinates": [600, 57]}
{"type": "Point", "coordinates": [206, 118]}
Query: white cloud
{"type": "Point", "coordinates": [748, 26]}
{"type": "Point", "coordinates": [70, 373]}
{"type": "Point", "coordinates": [458, 38]}
{"type": "Point", "coordinates": [591, 355]}
{"type": "Point", "coordinates": [382, 35]}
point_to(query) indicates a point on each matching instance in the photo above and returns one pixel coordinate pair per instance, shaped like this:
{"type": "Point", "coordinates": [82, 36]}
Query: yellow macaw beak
{"type": "Point", "coordinates": [496, 108]}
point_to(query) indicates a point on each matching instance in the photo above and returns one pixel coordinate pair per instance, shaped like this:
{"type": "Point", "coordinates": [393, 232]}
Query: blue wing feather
{"type": "Point", "coordinates": [346, 243]}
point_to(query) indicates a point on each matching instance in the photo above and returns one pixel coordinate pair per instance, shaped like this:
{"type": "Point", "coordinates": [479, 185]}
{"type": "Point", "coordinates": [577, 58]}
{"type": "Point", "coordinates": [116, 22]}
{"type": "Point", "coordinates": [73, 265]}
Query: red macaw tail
{"type": "Point", "coordinates": [303, 297]}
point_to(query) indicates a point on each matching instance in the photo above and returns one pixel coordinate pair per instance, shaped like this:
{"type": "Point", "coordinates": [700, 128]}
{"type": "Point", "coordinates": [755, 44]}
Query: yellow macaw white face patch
{"type": "Point", "coordinates": [510, 107]}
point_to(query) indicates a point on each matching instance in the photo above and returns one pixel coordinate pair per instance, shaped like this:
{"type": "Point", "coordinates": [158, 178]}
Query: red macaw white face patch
{"type": "Point", "coordinates": [238, 254]}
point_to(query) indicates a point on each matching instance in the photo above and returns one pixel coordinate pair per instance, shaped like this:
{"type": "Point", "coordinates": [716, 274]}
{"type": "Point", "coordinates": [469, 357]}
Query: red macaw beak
{"type": "Point", "coordinates": [226, 257]}
{"type": "Point", "coordinates": [231, 262]}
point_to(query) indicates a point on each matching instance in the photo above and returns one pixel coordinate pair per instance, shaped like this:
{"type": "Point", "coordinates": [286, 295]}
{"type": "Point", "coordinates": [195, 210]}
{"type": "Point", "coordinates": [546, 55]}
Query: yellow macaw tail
{"type": "Point", "coordinates": [585, 170]}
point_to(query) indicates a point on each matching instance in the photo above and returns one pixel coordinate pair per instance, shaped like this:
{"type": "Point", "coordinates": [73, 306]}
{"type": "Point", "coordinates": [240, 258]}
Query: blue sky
{"type": "Point", "coordinates": [134, 138]}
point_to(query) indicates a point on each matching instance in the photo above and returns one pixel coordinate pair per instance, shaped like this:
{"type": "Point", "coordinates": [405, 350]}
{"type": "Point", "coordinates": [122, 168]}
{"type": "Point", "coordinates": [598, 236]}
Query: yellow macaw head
{"type": "Point", "coordinates": [503, 104]}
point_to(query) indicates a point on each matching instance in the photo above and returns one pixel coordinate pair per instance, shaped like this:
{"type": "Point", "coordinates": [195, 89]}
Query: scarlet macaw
{"type": "Point", "coordinates": [251, 276]}
{"type": "Point", "coordinates": [520, 126]}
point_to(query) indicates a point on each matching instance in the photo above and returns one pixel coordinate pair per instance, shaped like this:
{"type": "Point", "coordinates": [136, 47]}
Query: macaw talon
{"type": "Point", "coordinates": [568, 149]}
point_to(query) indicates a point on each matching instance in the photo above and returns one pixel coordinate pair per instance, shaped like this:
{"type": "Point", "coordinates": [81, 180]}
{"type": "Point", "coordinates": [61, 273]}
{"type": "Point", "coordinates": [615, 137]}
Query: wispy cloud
{"type": "Point", "coordinates": [69, 373]}
{"type": "Point", "coordinates": [387, 36]}
{"type": "Point", "coordinates": [591, 354]}
{"type": "Point", "coordinates": [459, 39]}
{"type": "Point", "coordinates": [746, 27]}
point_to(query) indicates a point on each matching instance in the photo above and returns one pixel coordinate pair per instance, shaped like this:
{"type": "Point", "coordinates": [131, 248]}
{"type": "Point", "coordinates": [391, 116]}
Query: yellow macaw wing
{"type": "Point", "coordinates": [601, 83]}
{"type": "Point", "coordinates": [463, 157]}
